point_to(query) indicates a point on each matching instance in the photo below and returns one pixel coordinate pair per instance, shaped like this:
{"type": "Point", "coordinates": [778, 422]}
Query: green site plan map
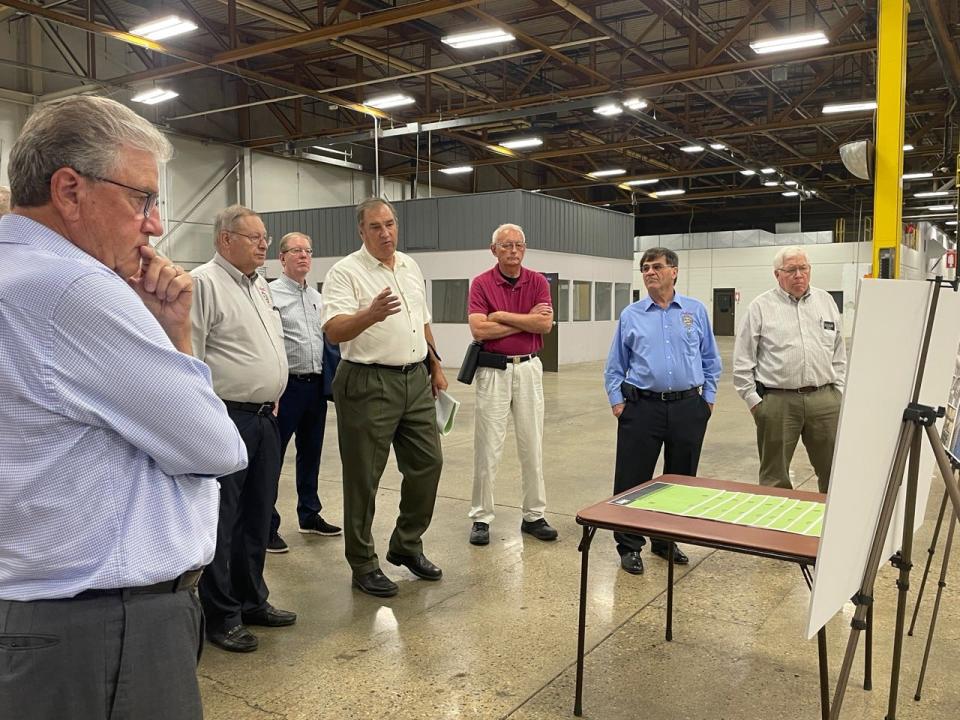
{"type": "Point", "coordinates": [802, 517]}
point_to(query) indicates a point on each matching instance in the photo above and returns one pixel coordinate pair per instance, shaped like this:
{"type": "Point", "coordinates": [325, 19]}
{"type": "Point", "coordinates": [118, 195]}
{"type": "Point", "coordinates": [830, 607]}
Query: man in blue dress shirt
{"type": "Point", "coordinates": [661, 380]}
{"type": "Point", "coordinates": [112, 435]}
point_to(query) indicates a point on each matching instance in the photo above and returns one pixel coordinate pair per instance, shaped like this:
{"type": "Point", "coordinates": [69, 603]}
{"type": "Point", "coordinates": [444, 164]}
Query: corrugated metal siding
{"type": "Point", "coordinates": [465, 222]}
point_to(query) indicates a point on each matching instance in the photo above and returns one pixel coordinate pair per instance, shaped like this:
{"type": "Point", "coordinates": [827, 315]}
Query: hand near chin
{"type": "Point", "coordinates": [167, 291]}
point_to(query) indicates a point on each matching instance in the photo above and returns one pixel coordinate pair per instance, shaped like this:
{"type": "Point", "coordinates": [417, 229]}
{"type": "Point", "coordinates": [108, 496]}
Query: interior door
{"type": "Point", "coordinates": [550, 354]}
{"type": "Point", "coordinates": [724, 308]}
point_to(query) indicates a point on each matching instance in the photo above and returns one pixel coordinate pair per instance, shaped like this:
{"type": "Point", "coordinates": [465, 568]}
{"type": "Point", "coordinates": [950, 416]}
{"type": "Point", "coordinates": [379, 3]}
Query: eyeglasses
{"type": "Point", "coordinates": [656, 267]}
{"type": "Point", "coordinates": [511, 246]}
{"type": "Point", "coordinates": [255, 239]}
{"type": "Point", "coordinates": [149, 200]}
{"type": "Point", "coordinates": [299, 251]}
{"type": "Point", "coordinates": [796, 270]}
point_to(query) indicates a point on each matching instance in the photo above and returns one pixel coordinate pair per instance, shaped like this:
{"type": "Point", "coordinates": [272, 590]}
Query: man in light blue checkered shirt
{"type": "Point", "coordinates": [113, 437]}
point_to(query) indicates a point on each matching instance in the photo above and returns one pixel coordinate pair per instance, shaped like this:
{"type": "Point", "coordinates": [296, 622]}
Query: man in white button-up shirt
{"type": "Point", "coordinates": [375, 308]}
{"type": "Point", "coordinates": [789, 365]}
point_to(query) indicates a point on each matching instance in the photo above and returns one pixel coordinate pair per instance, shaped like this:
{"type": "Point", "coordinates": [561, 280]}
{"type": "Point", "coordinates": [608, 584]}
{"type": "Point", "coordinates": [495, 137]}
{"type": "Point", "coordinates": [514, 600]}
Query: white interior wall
{"type": "Point", "coordinates": [12, 117]}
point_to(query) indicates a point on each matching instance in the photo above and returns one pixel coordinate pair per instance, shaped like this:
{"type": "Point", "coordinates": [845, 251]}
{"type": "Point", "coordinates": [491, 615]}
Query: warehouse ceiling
{"type": "Point", "coordinates": [293, 77]}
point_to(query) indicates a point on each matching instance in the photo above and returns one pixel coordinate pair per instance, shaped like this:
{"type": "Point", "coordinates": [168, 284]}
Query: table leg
{"type": "Point", "coordinates": [824, 675]}
{"type": "Point", "coordinates": [669, 594]}
{"type": "Point", "coordinates": [588, 533]}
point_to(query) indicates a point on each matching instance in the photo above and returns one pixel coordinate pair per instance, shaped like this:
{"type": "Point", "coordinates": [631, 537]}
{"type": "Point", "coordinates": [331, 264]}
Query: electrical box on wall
{"type": "Point", "coordinates": [886, 263]}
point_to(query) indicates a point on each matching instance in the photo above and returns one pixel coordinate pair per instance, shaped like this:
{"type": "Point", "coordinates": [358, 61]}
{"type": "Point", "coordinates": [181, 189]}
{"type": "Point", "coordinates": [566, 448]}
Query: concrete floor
{"type": "Point", "coordinates": [496, 638]}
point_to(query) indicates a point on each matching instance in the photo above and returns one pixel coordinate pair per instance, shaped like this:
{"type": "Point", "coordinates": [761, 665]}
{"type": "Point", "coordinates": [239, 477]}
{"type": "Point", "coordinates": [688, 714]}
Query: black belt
{"type": "Point", "coordinates": [255, 408]}
{"type": "Point", "coordinates": [409, 367]}
{"type": "Point", "coordinates": [308, 377]}
{"type": "Point", "coordinates": [805, 390]}
{"type": "Point", "coordinates": [500, 361]}
{"type": "Point", "coordinates": [633, 394]}
{"type": "Point", "coordinates": [187, 581]}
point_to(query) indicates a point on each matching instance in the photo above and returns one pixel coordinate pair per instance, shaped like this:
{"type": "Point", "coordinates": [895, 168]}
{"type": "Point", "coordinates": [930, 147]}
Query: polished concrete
{"type": "Point", "coordinates": [496, 638]}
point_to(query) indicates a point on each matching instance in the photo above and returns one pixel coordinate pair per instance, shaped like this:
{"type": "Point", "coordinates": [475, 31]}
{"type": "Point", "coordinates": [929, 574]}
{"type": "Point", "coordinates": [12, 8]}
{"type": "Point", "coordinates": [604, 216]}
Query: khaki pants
{"type": "Point", "coordinates": [518, 392]}
{"type": "Point", "coordinates": [782, 419]}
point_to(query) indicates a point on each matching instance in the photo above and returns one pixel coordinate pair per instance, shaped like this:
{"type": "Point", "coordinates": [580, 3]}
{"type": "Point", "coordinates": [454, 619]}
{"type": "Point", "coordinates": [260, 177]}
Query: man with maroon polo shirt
{"type": "Point", "coordinates": [509, 312]}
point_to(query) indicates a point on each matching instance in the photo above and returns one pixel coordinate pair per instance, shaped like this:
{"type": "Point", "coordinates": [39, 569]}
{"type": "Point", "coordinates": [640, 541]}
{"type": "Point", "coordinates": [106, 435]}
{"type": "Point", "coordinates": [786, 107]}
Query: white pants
{"type": "Point", "coordinates": [516, 391]}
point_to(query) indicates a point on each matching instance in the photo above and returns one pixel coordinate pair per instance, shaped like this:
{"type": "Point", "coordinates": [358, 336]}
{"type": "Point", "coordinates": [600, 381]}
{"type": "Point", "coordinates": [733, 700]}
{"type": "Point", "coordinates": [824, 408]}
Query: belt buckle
{"type": "Point", "coordinates": [515, 360]}
{"type": "Point", "coordinates": [663, 396]}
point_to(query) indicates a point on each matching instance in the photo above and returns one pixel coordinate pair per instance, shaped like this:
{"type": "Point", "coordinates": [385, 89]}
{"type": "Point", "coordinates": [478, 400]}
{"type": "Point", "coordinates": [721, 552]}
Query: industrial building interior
{"type": "Point", "coordinates": [685, 117]}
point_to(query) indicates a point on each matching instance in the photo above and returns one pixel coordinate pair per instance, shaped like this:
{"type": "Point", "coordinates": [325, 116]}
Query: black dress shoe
{"type": "Point", "coordinates": [419, 565]}
{"type": "Point", "coordinates": [679, 558]}
{"type": "Point", "coordinates": [375, 583]}
{"type": "Point", "coordinates": [480, 534]}
{"type": "Point", "coordinates": [236, 639]}
{"type": "Point", "coordinates": [632, 563]}
{"type": "Point", "coordinates": [270, 617]}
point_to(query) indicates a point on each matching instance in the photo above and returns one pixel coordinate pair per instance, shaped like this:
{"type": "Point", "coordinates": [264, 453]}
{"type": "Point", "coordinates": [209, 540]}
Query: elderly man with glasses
{"type": "Point", "coordinates": [789, 365]}
{"type": "Point", "coordinates": [238, 333]}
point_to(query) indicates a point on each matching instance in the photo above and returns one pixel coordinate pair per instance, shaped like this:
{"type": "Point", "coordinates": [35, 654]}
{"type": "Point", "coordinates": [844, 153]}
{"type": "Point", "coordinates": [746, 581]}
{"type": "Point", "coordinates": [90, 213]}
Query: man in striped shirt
{"type": "Point", "coordinates": [789, 365]}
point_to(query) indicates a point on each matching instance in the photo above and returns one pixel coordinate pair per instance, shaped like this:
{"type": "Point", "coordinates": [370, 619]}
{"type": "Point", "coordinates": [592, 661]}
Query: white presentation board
{"type": "Point", "coordinates": [883, 357]}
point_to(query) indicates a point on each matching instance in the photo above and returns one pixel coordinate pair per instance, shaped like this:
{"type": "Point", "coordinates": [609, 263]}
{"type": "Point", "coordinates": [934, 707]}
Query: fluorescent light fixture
{"type": "Point", "coordinates": [163, 28]}
{"type": "Point", "coordinates": [691, 148]}
{"type": "Point", "coordinates": [768, 170]}
{"type": "Point", "coordinates": [908, 147]}
{"type": "Point", "coordinates": [607, 173]}
{"type": "Point", "coordinates": [717, 146]}
{"type": "Point", "coordinates": [935, 193]}
{"type": "Point", "coordinates": [790, 183]}
{"type": "Point", "coordinates": [457, 170]}
{"type": "Point", "coordinates": [333, 151]}
{"type": "Point", "coordinates": [951, 222]}
{"type": "Point", "coordinates": [635, 103]}
{"type": "Point", "coordinates": [490, 36]}
{"type": "Point", "coordinates": [748, 173]}
{"type": "Point", "coordinates": [941, 208]}
{"type": "Point", "coordinates": [789, 42]}
{"type": "Point", "coordinates": [154, 96]}
{"type": "Point", "coordinates": [608, 109]}
{"type": "Point", "coordinates": [384, 102]}
{"type": "Point", "coordinates": [647, 181]}
{"type": "Point", "coordinates": [518, 143]}
{"type": "Point", "coordinates": [834, 108]}
{"type": "Point", "coordinates": [918, 175]}
{"type": "Point", "coordinates": [772, 183]}
{"type": "Point", "coordinates": [667, 193]}
{"type": "Point", "coordinates": [790, 193]}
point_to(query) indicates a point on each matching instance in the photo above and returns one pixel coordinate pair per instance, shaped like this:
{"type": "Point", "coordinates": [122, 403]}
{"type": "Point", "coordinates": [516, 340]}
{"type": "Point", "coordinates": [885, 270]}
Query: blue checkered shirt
{"type": "Point", "coordinates": [111, 439]}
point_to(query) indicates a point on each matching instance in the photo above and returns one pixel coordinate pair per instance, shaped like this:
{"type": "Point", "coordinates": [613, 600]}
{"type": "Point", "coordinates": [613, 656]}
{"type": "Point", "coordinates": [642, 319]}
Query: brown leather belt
{"type": "Point", "coordinates": [806, 390]}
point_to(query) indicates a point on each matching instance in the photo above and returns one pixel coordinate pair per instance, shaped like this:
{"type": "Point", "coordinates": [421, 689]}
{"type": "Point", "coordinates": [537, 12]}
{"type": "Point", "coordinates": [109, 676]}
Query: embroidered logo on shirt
{"type": "Point", "coordinates": [687, 320]}
{"type": "Point", "coordinates": [828, 325]}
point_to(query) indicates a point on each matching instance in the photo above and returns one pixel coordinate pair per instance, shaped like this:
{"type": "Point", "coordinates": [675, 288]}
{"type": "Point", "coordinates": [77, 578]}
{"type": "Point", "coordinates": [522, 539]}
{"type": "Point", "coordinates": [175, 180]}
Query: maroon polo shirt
{"type": "Point", "coordinates": [490, 292]}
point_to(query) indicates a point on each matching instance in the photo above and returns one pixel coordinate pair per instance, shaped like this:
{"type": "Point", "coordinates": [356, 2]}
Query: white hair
{"type": "Point", "coordinates": [507, 227]}
{"type": "Point", "coordinates": [786, 252]}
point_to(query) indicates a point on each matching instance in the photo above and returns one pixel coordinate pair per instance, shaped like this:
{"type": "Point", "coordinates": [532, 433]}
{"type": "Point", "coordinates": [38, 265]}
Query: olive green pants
{"type": "Point", "coordinates": [784, 418]}
{"type": "Point", "coordinates": [377, 407]}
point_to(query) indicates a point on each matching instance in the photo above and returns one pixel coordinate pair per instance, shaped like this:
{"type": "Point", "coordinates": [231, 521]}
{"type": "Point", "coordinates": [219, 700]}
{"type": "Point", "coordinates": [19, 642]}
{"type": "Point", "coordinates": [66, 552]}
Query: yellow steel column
{"type": "Point", "coordinates": [891, 102]}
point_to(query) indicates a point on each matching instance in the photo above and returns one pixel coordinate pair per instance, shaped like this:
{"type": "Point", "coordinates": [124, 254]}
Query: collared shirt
{"type": "Point", "coordinates": [112, 439]}
{"type": "Point", "coordinates": [238, 333]}
{"type": "Point", "coordinates": [490, 291]}
{"type": "Point", "coordinates": [353, 283]}
{"type": "Point", "coordinates": [300, 307]}
{"type": "Point", "coordinates": [788, 343]}
{"type": "Point", "coordinates": [663, 349]}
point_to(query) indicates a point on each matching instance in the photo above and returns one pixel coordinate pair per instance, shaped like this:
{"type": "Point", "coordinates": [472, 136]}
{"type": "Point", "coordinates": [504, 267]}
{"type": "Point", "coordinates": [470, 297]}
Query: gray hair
{"type": "Point", "coordinates": [369, 204]}
{"type": "Point", "coordinates": [785, 252]}
{"type": "Point", "coordinates": [227, 217]}
{"type": "Point", "coordinates": [83, 132]}
{"type": "Point", "coordinates": [506, 227]}
{"type": "Point", "coordinates": [4, 200]}
{"type": "Point", "coordinates": [285, 240]}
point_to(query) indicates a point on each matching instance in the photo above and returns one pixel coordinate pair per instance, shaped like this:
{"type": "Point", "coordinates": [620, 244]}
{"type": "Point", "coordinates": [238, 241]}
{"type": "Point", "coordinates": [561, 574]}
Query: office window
{"type": "Point", "coordinates": [581, 300]}
{"type": "Point", "coordinates": [450, 301]}
{"type": "Point", "coordinates": [621, 298]}
{"type": "Point", "coordinates": [562, 311]}
{"type": "Point", "coordinates": [602, 303]}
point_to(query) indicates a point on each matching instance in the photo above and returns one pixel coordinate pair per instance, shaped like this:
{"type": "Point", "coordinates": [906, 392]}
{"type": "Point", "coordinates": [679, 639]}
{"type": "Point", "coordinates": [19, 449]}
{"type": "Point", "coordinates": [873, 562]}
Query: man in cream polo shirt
{"type": "Point", "coordinates": [375, 308]}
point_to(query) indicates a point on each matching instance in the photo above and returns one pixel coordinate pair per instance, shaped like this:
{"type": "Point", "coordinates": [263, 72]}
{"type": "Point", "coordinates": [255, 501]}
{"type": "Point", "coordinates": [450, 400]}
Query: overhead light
{"type": "Point", "coordinates": [457, 170]}
{"type": "Point", "coordinates": [691, 148]}
{"type": "Point", "coordinates": [491, 36]}
{"type": "Point", "coordinates": [935, 193]}
{"type": "Point", "coordinates": [163, 28]}
{"type": "Point", "coordinates": [717, 146]}
{"type": "Point", "coordinates": [154, 96]}
{"type": "Point", "coordinates": [951, 222]}
{"type": "Point", "coordinates": [646, 181]}
{"type": "Point", "coordinates": [772, 183]}
{"type": "Point", "coordinates": [748, 172]}
{"type": "Point", "coordinates": [789, 42]}
{"type": "Point", "coordinates": [790, 183]}
{"type": "Point", "coordinates": [635, 103]}
{"type": "Point", "coordinates": [768, 170]}
{"type": "Point", "coordinates": [607, 173]}
{"type": "Point", "coordinates": [941, 208]}
{"type": "Point", "coordinates": [667, 193]}
{"type": "Point", "coordinates": [608, 109]}
{"type": "Point", "coordinates": [790, 193]}
{"type": "Point", "coordinates": [918, 175]}
{"type": "Point", "coordinates": [518, 143]}
{"type": "Point", "coordinates": [834, 108]}
{"type": "Point", "coordinates": [384, 102]}
{"type": "Point", "coordinates": [908, 147]}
